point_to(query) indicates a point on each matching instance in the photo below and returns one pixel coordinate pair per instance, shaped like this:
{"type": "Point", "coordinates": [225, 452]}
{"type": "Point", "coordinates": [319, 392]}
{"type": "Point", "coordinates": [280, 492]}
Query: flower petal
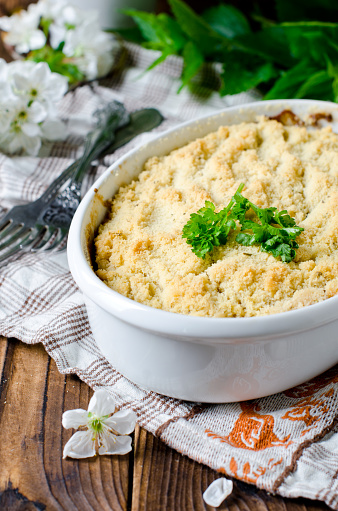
{"type": "Point", "coordinates": [37, 40]}
{"type": "Point", "coordinates": [80, 445]}
{"type": "Point", "coordinates": [32, 145]}
{"type": "Point", "coordinates": [30, 129]}
{"type": "Point", "coordinates": [54, 129]}
{"type": "Point", "coordinates": [74, 418]}
{"type": "Point", "coordinates": [21, 83]}
{"type": "Point", "coordinates": [41, 72]}
{"type": "Point", "coordinates": [102, 403]}
{"type": "Point", "coordinates": [36, 112]}
{"type": "Point", "coordinates": [115, 445]}
{"type": "Point", "coordinates": [218, 491]}
{"type": "Point", "coordinates": [57, 87]}
{"type": "Point", "coordinates": [123, 422]}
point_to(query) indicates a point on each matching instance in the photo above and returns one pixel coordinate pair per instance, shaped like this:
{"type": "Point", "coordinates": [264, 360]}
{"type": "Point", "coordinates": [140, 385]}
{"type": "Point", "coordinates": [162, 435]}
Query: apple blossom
{"type": "Point", "coordinates": [27, 94]}
{"type": "Point", "coordinates": [102, 430]}
{"type": "Point", "coordinates": [22, 32]}
{"type": "Point", "coordinates": [36, 82]}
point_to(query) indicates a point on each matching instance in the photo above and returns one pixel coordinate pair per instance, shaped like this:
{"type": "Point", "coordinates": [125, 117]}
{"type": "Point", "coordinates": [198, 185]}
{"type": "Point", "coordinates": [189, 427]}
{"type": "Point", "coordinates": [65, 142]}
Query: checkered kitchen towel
{"type": "Point", "coordinates": [286, 443]}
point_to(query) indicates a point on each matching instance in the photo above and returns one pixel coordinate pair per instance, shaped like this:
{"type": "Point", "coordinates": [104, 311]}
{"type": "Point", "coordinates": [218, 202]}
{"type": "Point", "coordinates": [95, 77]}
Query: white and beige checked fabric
{"type": "Point", "coordinates": [286, 443]}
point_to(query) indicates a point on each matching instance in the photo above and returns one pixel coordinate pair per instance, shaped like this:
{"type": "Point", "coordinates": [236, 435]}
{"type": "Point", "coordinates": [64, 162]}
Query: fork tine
{"type": "Point", "coordinates": [3, 224]}
{"type": "Point", "coordinates": [61, 235]}
{"type": "Point", "coordinates": [45, 239]}
{"type": "Point", "coordinates": [33, 236]}
{"type": "Point", "coordinates": [8, 253]}
{"type": "Point", "coordinates": [5, 219]}
{"type": "Point", "coordinates": [9, 240]}
{"type": "Point", "coordinates": [9, 229]}
{"type": "Point", "coordinates": [23, 244]}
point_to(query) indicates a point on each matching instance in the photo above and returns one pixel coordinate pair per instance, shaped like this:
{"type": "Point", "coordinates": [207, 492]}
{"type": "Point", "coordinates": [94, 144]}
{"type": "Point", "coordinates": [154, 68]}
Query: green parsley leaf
{"type": "Point", "coordinates": [207, 229]}
{"type": "Point", "coordinates": [275, 232]}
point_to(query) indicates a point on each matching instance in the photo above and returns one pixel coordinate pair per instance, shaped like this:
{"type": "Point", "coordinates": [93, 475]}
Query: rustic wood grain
{"type": "Point", "coordinates": [34, 477]}
{"type": "Point", "coordinates": [7, 7]}
{"type": "Point", "coordinates": [167, 481]}
{"type": "Point", "coordinates": [33, 397]}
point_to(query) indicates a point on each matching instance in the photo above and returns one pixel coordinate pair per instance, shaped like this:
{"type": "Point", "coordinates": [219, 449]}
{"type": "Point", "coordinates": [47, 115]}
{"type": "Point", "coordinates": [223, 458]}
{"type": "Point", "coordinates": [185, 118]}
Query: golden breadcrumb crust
{"type": "Point", "coordinates": [140, 251]}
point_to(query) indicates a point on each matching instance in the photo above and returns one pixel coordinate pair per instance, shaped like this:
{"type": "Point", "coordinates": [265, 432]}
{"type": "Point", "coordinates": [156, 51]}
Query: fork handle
{"type": "Point", "coordinates": [109, 118]}
{"type": "Point", "coordinates": [57, 184]}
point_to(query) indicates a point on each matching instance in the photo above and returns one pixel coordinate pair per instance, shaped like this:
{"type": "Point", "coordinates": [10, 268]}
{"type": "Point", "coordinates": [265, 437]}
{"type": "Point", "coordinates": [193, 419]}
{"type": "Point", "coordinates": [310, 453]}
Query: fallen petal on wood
{"type": "Point", "coordinates": [218, 491]}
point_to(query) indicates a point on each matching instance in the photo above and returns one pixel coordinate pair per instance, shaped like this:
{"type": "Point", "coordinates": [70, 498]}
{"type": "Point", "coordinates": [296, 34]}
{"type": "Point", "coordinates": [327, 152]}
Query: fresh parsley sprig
{"type": "Point", "coordinates": [275, 231]}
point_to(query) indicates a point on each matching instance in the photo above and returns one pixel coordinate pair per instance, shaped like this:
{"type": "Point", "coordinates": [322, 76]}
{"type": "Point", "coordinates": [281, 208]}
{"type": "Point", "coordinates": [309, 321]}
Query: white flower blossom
{"type": "Point", "coordinates": [74, 31]}
{"type": "Point", "coordinates": [65, 19]}
{"type": "Point", "coordinates": [27, 95]}
{"type": "Point", "coordinates": [6, 92]}
{"type": "Point", "coordinates": [49, 9]}
{"type": "Point", "coordinates": [91, 48]}
{"type": "Point", "coordinates": [36, 82]}
{"type": "Point", "coordinates": [21, 30]}
{"type": "Point", "coordinates": [102, 430]}
{"type": "Point", "coordinates": [23, 133]}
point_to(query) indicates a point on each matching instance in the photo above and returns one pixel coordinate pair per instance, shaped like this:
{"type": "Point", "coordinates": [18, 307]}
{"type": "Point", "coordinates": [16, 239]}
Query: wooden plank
{"type": "Point", "coordinates": [33, 474]}
{"type": "Point", "coordinates": [167, 481]}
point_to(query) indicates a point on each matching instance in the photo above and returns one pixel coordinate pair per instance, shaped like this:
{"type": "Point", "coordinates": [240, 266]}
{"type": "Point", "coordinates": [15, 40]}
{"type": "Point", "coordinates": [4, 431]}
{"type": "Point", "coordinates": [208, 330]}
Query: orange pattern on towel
{"type": "Point", "coordinates": [309, 410]}
{"type": "Point", "coordinates": [252, 430]}
{"type": "Point", "coordinates": [246, 473]}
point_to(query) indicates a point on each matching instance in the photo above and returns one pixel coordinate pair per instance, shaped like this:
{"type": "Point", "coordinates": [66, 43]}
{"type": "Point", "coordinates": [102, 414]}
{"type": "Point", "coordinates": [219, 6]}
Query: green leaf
{"type": "Point", "coordinates": [270, 44]}
{"type": "Point", "coordinates": [242, 72]}
{"type": "Point", "coordinates": [317, 86]}
{"type": "Point", "coordinates": [193, 61]}
{"type": "Point", "coordinates": [226, 20]}
{"type": "Point", "coordinates": [300, 10]}
{"type": "Point", "coordinates": [148, 25]}
{"type": "Point", "coordinates": [332, 70]}
{"type": "Point", "coordinates": [207, 229]}
{"type": "Point", "coordinates": [58, 63]}
{"type": "Point", "coordinates": [132, 34]}
{"type": "Point", "coordinates": [207, 39]}
{"type": "Point", "coordinates": [290, 81]}
{"type": "Point", "coordinates": [172, 29]}
{"type": "Point", "coordinates": [312, 40]}
{"type": "Point", "coordinates": [45, 23]}
{"type": "Point", "coordinates": [161, 58]}
{"type": "Point", "coordinates": [160, 31]}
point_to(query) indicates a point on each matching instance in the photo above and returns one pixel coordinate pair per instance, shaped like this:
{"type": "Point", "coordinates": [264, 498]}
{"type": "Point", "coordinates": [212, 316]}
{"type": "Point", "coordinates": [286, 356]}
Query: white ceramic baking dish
{"type": "Point", "coordinates": [194, 358]}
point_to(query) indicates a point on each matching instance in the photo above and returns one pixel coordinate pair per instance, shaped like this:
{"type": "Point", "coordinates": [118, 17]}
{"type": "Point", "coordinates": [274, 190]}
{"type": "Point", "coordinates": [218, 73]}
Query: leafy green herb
{"type": "Point", "coordinates": [193, 61]}
{"type": "Point", "coordinates": [242, 70]}
{"type": "Point", "coordinates": [227, 21]}
{"type": "Point", "coordinates": [275, 231]}
{"type": "Point", "coordinates": [58, 63]}
{"type": "Point", "coordinates": [292, 56]}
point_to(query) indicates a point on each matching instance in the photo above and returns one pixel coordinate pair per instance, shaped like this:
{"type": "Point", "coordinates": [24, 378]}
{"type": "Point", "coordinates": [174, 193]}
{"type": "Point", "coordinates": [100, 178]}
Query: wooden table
{"type": "Point", "coordinates": [34, 477]}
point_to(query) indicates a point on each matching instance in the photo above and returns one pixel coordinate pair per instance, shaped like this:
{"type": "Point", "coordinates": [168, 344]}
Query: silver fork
{"type": "Point", "coordinates": [44, 224]}
{"type": "Point", "coordinates": [32, 226]}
